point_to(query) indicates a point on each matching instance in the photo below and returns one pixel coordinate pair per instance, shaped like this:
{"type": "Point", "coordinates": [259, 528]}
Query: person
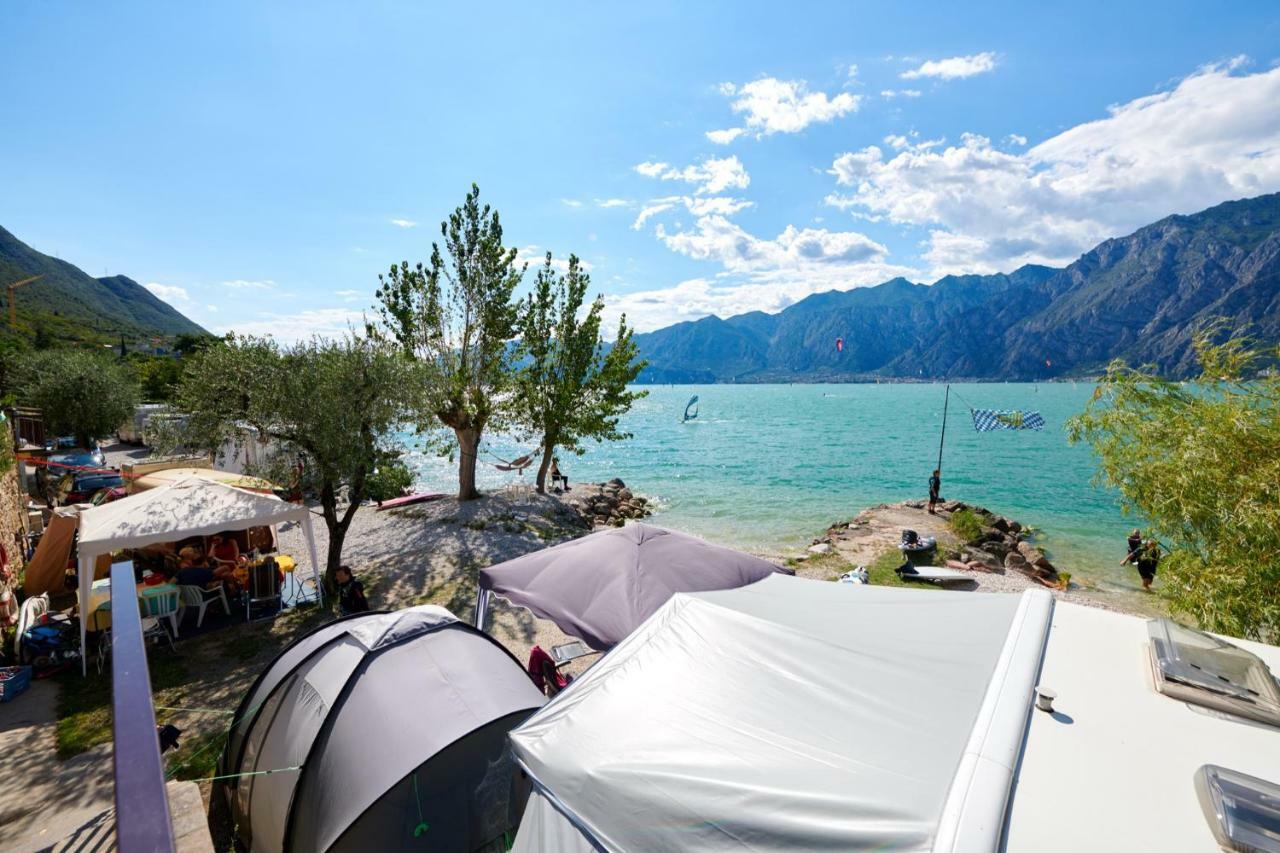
{"type": "Point", "coordinates": [556, 475]}
{"type": "Point", "coordinates": [1147, 559]}
{"type": "Point", "coordinates": [935, 487]}
{"type": "Point", "coordinates": [192, 569]}
{"type": "Point", "coordinates": [1135, 544]}
{"type": "Point", "coordinates": [350, 592]}
{"type": "Point", "coordinates": [224, 550]}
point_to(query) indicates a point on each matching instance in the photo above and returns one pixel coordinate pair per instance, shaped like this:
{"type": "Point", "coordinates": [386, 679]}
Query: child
{"type": "Point", "coordinates": [350, 592]}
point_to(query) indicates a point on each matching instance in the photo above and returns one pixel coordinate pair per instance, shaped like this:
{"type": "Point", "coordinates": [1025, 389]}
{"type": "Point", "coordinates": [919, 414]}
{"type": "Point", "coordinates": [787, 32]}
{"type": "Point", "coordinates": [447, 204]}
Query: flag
{"type": "Point", "coordinates": [985, 420]}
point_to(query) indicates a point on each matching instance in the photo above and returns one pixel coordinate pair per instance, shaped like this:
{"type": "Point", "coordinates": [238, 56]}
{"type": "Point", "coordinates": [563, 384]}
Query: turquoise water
{"type": "Point", "coordinates": [768, 467]}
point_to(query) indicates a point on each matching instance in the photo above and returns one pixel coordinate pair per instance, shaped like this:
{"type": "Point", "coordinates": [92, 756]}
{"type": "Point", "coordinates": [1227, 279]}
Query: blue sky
{"type": "Point", "coordinates": [257, 164]}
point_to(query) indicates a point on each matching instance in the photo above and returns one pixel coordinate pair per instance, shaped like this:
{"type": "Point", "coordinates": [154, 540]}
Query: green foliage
{"type": "Point", "coordinates": [157, 375]}
{"type": "Point", "coordinates": [332, 405]}
{"type": "Point", "coordinates": [570, 386]}
{"type": "Point", "coordinates": [390, 479]}
{"type": "Point", "coordinates": [1200, 462]}
{"type": "Point", "coordinates": [457, 319]}
{"type": "Point", "coordinates": [79, 392]}
{"type": "Point", "coordinates": [966, 525]}
{"type": "Point", "coordinates": [186, 343]}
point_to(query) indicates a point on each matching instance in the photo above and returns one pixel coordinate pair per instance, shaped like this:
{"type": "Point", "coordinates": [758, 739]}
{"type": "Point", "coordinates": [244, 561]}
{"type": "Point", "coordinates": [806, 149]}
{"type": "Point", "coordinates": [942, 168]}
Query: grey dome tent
{"type": "Point", "coordinates": [381, 731]}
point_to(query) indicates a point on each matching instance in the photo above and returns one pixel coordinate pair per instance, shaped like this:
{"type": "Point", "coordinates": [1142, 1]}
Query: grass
{"type": "Point", "coordinates": [880, 571]}
{"type": "Point", "coordinates": [197, 757]}
{"type": "Point", "coordinates": [966, 525]}
{"type": "Point", "coordinates": [84, 703]}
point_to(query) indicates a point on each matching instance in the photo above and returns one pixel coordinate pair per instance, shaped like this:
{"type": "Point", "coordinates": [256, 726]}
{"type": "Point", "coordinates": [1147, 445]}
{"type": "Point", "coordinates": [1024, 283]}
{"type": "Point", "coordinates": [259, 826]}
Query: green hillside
{"type": "Point", "coordinates": [69, 305]}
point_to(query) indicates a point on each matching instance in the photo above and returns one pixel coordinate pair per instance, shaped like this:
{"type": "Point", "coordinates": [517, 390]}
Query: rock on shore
{"type": "Point", "coordinates": [606, 504]}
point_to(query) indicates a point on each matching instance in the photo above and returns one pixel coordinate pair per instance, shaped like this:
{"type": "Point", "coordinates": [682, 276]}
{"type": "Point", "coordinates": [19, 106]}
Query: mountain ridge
{"type": "Point", "coordinates": [1141, 297]}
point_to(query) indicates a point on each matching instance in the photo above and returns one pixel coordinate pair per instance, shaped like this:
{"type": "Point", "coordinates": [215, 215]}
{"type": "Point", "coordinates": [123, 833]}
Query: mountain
{"type": "Point", "coordinates": [1141, 297]}
{"type": "Point", "coordinates": [70, 304]}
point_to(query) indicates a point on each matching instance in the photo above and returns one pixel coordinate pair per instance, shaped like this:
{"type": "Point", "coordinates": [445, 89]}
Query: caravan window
{"type": "Point", "coordinates": [1243, 811]}
{"type": "Point", "coordinates": [1198, 668]}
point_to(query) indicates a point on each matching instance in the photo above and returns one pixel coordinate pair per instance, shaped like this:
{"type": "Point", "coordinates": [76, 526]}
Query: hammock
{"type": "Point", "coordinates": [518, 464]}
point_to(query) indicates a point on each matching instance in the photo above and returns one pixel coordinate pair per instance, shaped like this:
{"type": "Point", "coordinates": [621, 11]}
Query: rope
{"type": "Point", "coordinates": [193, 710]}
{"type": "Point", "coordinates": [251, 773]}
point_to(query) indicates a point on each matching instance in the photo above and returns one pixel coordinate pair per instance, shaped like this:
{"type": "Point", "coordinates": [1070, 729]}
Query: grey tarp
{"type": "Point", "coordinates": [791, 714]}
{"type": "Point", "coordinates": [390, 721]}
{"type": "Point", "coordinates": [601, 587]}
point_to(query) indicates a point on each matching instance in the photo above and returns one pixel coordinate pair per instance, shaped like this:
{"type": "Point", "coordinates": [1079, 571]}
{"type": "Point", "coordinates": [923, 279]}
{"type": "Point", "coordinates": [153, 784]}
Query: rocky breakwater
{"type": "Point", "coordinates": [989, 542]}
{"type": "Point", "coordinates": [606, 504]}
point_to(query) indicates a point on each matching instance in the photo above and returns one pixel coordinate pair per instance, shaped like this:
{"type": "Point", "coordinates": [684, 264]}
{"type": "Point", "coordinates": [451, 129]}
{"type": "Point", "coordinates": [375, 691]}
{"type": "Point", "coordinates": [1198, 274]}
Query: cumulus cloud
{"type": "Point", "coordinates": [403, 223]}
{"type": "Point", "coordinates": [698, 206]}
{"type": "Point", "coordinates": [244, 284]}
{"type": "Point", "coordinates": [348, 295]}
{"type": "Point", "coordinates": [713, 175]}
{"type": "Point", "coordinates": [570, 202]}
{"type": "Point", "coordinates": [770, 105]}
{"type": "Point", "coordinates": [890, 94]}
{"type": "Point", "coordinates": [612, 202]}
{"type": "Point", "coordinates": [1214, 136]}
{"type": "Point", "coordinates": [535, 256]}
{"type": "Point", "coordinates": [304, 325]}
{"type": "Point", "coordinates": [954, 68]}
{"type": "Point", "coordinates": [170, 293]}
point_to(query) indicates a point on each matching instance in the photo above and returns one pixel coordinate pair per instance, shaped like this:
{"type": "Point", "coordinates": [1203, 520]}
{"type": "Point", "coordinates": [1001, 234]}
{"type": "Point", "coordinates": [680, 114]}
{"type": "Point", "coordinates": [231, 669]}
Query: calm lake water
{"type": "Point", "coordinates": [768, 467]}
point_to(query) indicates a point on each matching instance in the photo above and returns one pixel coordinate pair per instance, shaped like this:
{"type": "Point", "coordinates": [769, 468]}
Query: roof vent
{"type": "Point", "coordinates": [1199, 668]}
{"type": "Point", "coordinates": [1243, 811]}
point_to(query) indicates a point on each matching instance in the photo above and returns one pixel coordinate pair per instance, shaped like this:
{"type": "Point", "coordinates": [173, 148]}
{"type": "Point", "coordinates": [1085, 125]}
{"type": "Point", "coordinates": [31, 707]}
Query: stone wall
{"type": "Point", "coordinates": [13, 534]}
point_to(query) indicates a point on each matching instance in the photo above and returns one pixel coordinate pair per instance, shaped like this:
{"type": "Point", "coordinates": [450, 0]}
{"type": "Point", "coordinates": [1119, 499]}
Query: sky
{"type": "Point", "coordinates": [257, 165]}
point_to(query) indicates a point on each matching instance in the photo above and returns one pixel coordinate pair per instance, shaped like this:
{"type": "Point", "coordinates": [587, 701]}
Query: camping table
{"type": "Point", "coordinates": [100, 601]}
{"type": "Point", "coordinates": [571, 651]}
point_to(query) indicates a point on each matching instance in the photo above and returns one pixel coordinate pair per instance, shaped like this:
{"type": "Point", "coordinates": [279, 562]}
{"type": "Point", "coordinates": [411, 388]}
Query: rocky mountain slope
{"type": "Point", "coordinates": [1140, 297]}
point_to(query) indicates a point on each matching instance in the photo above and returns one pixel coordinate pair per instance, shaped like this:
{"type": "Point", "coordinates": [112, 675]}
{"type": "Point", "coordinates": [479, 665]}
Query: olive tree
{"type": "Point", "coordinates": [1201, 463]}
{"type": "Point", "coordinates": [571, 385]}
{"type": "Point", "coordinates": [332, 406]}
{"type": "Point", "coordinates": [456, 318]}
{"type": "Point", "coordinates": [78, 392]}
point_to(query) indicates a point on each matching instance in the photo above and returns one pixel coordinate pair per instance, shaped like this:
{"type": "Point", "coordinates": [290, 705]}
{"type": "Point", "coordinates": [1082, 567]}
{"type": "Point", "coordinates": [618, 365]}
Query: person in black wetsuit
{"type": "Point", "coordinates": [1135, 545]}
{"type": "Point", "coordinates": [935, 487]}
{"type": "Point", "coordinates": [1147, 558]}
{"type": "Point", "coordinates": [350, 592]}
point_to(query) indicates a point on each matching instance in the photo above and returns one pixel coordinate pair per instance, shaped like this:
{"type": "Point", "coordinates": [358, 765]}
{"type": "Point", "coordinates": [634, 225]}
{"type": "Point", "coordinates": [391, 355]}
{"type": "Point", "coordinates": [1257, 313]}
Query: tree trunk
{"type": "Point", "coordinates": [468, 445]}
{"type": "Point", "coordinates": [545, 467]}
{"type": "Point", "coordinates": [337, 528]}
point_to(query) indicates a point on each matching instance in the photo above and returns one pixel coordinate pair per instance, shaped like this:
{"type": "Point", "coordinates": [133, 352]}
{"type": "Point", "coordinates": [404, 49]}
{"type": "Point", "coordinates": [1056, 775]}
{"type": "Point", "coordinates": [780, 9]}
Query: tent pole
{"type": "Point", "coordinates": [482, 609]}
{"type": "Point", "coordinates": [86, 585]}
{"type": "Point", "coordinates": [315, 557]}
{"type": "Point", "coordinates": [945, 401]}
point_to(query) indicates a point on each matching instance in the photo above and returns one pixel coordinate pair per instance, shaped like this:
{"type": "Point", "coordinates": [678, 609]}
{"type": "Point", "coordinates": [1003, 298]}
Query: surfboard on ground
{"type": "Point", "coordinates": [934, 574]}
{"type": "Point", "coordinates": [406, 500]}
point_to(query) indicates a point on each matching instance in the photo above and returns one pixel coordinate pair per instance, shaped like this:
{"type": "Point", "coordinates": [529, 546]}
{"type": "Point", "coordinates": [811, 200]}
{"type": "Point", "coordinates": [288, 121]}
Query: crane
{"type": "Point", "coordinates": [13, 308]}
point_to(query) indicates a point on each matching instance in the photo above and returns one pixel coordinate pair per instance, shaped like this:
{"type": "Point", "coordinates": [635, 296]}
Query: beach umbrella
{"type": "Point", "coordinates": [601, 587]}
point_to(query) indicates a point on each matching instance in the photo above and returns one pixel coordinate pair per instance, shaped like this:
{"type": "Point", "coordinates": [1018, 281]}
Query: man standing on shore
{"type": "Point", "coordinates": [935, 488]}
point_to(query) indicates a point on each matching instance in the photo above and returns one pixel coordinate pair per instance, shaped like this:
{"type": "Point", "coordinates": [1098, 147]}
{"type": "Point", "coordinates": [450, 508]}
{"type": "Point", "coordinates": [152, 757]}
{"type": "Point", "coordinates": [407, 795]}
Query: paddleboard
{"type": "Point", "coordinates": [420, 497]}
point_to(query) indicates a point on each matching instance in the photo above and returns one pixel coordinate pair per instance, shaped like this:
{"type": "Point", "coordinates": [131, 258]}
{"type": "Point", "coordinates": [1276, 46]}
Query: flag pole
{"type": "Point", "coordinates": [945, 400]}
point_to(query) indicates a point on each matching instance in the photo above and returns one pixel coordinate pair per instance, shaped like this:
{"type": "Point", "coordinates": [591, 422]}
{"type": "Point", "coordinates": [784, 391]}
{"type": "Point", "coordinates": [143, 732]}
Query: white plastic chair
{"type": "Point", "coordinates": [201, 598]}
{"type": "Point", "coordinates": [158, 604]}
{"type": "Point", "coordinates": [32, 609]}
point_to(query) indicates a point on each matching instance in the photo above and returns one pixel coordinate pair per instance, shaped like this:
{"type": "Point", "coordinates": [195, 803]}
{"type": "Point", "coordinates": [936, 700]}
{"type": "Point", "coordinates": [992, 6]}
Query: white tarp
{"type": "Point", "coordinates": [791, 714]}
{"type": "Point", "coordinates": [192, 507]}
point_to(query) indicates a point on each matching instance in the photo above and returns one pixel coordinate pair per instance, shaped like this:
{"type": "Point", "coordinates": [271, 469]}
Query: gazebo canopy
{"type": "Point", "coordinates": [601, 587]}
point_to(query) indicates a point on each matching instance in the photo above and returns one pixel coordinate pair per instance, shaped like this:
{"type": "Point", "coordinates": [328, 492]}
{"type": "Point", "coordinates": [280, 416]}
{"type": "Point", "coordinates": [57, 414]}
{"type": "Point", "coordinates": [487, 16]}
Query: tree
{"type": "Point", "coordinates": [457, 321]}
{"type": "Point", "coordinates": [570, 385]}
{"type": "Point", "coordinates": [79, 392]}
{"type": "Point", "coordinates": [332, 405]}
{"type": "Point", "coordinates": [157, 375]}
{"type": "Point", "coordinates": [1201, 463]}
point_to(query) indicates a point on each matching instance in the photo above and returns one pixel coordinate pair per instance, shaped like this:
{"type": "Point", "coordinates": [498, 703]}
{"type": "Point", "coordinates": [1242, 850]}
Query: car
{"type": "Point", "coordinates": [79, 458]}
{"type": "Point", "coordinates": [85, 486]}
{"type": "Point", "coordinates": [64, 442]}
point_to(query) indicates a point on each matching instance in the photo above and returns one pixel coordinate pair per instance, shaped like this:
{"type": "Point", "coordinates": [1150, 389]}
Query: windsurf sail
{"type": "Point", "coordinates": [691, 408]}
{"type": "Point", "coordinates": [986, 420]}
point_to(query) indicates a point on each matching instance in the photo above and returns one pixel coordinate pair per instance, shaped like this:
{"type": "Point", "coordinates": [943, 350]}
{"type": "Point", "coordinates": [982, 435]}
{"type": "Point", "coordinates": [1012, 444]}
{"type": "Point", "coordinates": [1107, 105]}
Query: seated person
{"type": "Point", "coordinates": [224, 550]}
{"type": "Point", "coordinates": [350, 592]}
{"type": "Point", "coordinates": [192, 569]}
{"type": "Point", "coordinates": [557, 476]}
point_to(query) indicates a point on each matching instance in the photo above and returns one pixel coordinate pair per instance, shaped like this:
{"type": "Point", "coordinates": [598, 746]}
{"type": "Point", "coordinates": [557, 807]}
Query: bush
{"type": "Point", "coordinates": [79, 392]}
{"type": "Point", "coordinates": [966, 525]}
{"type": "Point", "coordinates": [391, 479]}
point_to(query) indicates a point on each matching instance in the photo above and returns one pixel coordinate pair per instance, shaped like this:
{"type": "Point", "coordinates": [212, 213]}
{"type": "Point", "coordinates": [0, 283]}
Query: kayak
{"type": "Point", "coordinates": [406, 500]}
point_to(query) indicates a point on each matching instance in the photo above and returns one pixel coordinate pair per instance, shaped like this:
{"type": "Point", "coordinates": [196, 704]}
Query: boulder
{"type": "Point", "coordinates": [1014, 527]}
{"type": "Point", "coordinates": [1031, 552]}
{"type": "Point", "coordinates": [820, 548]}
{"type": "Point", "coordinates": [978, 555]}
{"type": "Point", "coordinates": [1000, 523]}
{"type": "Point", "coordinates": [625, 494]}
{"type": "Point", "coordinates": [1017, 562]}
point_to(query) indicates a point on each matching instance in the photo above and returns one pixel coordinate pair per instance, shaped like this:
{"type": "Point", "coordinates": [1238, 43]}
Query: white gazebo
{"type": "Point", "coordinates": [191, 507]}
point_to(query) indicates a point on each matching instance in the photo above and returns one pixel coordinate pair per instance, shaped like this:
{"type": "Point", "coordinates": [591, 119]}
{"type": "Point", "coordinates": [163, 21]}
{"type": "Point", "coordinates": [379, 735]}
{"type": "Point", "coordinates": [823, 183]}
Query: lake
{"type": "Point", "coordinates": [767, 468]}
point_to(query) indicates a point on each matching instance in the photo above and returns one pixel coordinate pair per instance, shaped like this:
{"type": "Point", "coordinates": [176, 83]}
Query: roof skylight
{"type": "Point", "coordinates": [1199, 668]}
{"type": "Point", "coordinates": [1243, 811]}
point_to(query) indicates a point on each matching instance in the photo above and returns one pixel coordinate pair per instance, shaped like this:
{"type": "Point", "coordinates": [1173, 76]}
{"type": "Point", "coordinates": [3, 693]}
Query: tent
{"type": "Point", "coordinates": [388, 732]}
{"type": "Point", "coordinates": [601, 587]}
{"type": "Point", "coordinates": [48, 565]}
{"type": "Point", "coordinates": [790, 714]}
{"type": "Point", "coordinates": [167, 476]}
{"type": "Point", "coordinates": [191, 507]}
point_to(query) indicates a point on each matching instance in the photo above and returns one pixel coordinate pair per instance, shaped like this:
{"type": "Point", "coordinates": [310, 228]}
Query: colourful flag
{"type": "Point", "coordinates": [985, 420]}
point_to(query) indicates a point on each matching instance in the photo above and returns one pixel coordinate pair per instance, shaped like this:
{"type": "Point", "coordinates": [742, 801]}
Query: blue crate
{"type": "Point", "coordinates": [14, 680]}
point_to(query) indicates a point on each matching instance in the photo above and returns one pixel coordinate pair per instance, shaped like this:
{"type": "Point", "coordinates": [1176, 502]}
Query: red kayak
{"type": "Point", "coordinates": [420, 497]}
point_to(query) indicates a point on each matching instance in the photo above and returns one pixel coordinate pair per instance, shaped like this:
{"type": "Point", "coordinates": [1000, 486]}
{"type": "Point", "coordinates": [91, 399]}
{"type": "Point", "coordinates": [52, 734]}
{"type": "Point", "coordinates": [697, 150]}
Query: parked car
{"type": "Point", "coordinates": [64, 442]}
{"type": "Point", "coordinates": [85, 486]}
{"type": "Point", "coordinates": [80, 458]}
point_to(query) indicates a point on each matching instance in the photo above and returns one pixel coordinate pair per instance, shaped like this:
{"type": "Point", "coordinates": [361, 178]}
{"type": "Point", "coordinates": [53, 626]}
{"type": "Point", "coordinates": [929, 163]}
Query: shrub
{"type": "Point", "coordinates": [966, 525]}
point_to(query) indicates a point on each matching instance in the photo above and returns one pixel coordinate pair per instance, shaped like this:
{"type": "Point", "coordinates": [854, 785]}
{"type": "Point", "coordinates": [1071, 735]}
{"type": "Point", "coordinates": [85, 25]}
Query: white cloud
{"type": "Point", "coordinates": [304, 325]}
{"type": "Point", "coordinates": [716, 238]}
{"type": "Point", "coordinates": [242, 284]}
{"type": "Point", "coordinates": [612, 202]}
{"type": "Point", "coordinates": [712, 175]}
{"type": "Point", "coordinates": [570, 202]}
{"type": "Point", "coordinates": [953, 68]}
{"type": "Point", "coordinates": [348, 295]}
{"type": "Point", "coordinates": [698, 206]}
{"type": "Point", "coordinates": [1214, 136]}
{"type": "Point", "coordinates": [212, 309]}
{"type": "Point", "coordinates": [403, 223]}
{"type": "Point", "coordinates": [770, 106]}
{"type": "Point", "coordinates": [890, 94]}
{"type": "Point", "coordinates": [170, 293]}
{"type": "Point", "coordinates": [535, 256]}
{"type": "Point", "coordinates": [1015, 139]}
{"type": "Point", "coordinates": [724, 137]}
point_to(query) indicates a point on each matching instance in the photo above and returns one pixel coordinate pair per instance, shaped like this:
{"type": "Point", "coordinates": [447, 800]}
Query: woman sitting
{"type": "Point", "coordinates": [224, 550]}
{"type": "Point", "coordinates": [195, 570]}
